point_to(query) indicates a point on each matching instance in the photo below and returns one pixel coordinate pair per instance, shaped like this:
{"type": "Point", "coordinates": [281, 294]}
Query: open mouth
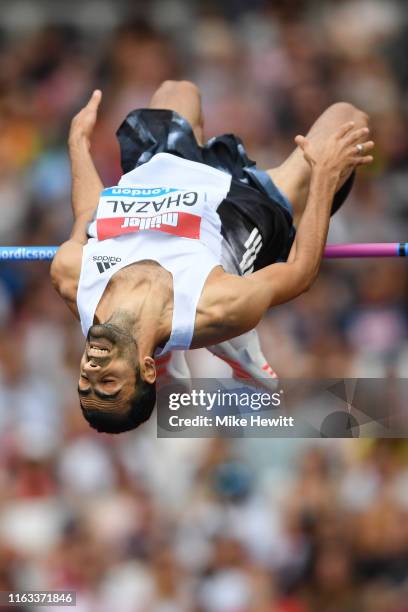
{"type": "Point", "coordinates": [95, 352]}
{"type": "Point", "coordinates": [99, 348]}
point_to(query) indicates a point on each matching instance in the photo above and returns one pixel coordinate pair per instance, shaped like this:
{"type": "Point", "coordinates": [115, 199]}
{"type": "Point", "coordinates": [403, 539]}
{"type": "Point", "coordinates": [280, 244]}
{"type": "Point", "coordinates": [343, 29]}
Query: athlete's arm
{"type": "Point", "coordinates": [281, 282]}
{"type": "Point", "coordinates": [86, 189]}
{"type": "Point", "coordinates": [86, 183]}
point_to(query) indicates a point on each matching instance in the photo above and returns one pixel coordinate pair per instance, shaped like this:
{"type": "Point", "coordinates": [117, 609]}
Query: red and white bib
{"type": "Point", "coordinates": [123, 210]}
{"type": "Point", "coordinates": [167, 194]}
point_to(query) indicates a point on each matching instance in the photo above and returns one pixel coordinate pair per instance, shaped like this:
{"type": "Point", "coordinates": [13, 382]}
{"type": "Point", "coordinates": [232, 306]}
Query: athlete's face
{"type": "Point", "coordinates": [108, 367]}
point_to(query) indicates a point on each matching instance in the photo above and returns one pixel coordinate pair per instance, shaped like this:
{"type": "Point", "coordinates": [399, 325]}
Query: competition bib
{"type": "Point", "coordinates": [122, 210]}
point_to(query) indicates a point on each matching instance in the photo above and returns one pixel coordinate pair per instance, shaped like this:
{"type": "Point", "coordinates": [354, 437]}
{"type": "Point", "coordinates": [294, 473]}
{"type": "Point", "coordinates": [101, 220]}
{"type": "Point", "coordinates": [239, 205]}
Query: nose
{"type": "Point", "coordinates": [91, 366]}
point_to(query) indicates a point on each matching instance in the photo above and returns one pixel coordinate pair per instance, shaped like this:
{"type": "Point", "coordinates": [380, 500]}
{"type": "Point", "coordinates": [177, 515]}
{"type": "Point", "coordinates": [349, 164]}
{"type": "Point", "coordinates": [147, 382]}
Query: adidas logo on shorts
{"type": "Point", "coordinates": [253, 245]}
{"type": "Point", "coordinates": [105, 262]}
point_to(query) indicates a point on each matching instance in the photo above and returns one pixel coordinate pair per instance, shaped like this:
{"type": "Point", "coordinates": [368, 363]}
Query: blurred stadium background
{"type": "Point", "coordinates": [138, 524]}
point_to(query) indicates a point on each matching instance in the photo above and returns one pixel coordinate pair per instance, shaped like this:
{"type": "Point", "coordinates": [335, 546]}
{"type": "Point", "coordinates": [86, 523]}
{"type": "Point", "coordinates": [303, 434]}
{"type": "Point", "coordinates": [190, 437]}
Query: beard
{"type": "Point", "coordinates": [111, 332]}
{"type": "Point", "coordinates": [117, 330]}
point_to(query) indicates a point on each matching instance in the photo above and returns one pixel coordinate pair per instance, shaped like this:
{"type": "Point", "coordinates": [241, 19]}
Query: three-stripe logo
{"type": "Point", "coordinates": [104, 265]}
{"type": "Point", "coordinates": [253, 245]}
{"type": "Point", "coordinates": [105, 262]}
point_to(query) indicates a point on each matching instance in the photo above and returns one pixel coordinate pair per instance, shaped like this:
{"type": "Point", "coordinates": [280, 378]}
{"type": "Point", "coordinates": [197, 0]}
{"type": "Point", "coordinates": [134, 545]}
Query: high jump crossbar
{"type": "Point", "coordinates": [331, 251]}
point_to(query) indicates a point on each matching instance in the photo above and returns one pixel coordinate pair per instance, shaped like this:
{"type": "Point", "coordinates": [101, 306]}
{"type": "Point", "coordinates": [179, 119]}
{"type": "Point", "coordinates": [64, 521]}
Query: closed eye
{"type": "Point", "coordinates": [100, 394]}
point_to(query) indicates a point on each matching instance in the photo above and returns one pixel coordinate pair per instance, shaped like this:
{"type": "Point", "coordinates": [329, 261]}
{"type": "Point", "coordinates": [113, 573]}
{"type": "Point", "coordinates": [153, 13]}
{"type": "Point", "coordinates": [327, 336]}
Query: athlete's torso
{"type": "Point", "coordinates": [213, 320]}
{"type": "Point", "coordinates": [165, 212]}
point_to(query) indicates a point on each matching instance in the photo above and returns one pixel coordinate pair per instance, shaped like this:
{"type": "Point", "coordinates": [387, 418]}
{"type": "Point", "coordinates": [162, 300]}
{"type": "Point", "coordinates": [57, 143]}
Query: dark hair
{"type": "Point", "coordinates": [140, 408]}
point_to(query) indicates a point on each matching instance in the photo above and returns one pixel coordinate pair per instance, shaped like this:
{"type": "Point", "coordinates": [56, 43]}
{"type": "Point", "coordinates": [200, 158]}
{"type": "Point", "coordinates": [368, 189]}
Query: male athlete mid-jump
{"type": "Point", "coordinates": [193, 245]}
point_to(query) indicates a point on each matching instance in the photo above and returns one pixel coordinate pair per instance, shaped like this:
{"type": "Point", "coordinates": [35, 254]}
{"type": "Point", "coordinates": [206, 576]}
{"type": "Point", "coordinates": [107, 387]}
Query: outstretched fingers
{"type": "Point", "coordinates": [361, 160]}
{"type": "Point", "coordinates": [94, 100]}
{"type": "Point", "coordinates": [304, 144]}
{"type": "Point", "coordinates": [83, 123]}
{"type": "Point", "coordinates": [357, 135]}
{"type": "Point", "coordinates": [359, 150]}
{"type": "Point", "coordinates": [344, 129]}
{"type": "Point", "coordinates": [348, 145]}
{"type": "Point", "coordinates": [355, 142]}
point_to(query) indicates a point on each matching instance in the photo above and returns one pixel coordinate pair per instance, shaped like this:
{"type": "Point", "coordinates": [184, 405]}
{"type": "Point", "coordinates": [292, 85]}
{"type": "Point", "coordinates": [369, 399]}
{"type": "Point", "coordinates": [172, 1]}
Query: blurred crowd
{"type": "Point", "coordinates": [139, 524]}
{"type": "Point", "coordinates": [188, 525]}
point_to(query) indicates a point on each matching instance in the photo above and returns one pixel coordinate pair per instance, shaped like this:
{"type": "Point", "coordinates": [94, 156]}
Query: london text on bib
{"type": "Point", "coordinates": [122, 210]}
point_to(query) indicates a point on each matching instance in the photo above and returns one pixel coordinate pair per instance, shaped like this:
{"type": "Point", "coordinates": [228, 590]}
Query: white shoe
{"type": "Point", "coordinates": [171, 367]}
{"type": "Point", "coordinates": [248, 363]}
{"type": "Point", "coordinates": [243, 354]}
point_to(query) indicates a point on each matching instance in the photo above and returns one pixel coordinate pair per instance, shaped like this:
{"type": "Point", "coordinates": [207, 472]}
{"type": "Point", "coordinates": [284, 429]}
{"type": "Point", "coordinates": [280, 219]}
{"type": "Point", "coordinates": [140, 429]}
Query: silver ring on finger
{"type": "Point", "coordinates": [360, 149]}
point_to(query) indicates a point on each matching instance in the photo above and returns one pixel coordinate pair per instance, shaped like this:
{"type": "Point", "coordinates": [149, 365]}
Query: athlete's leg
{"type": "Point", "coordinates": [293, 176]}
{"type": "Point", "coordinates": [184, 98]}
{"type": "Point", "coordinates": [171, 367]}
{"type": "Point", "coordinates": [245, 356]}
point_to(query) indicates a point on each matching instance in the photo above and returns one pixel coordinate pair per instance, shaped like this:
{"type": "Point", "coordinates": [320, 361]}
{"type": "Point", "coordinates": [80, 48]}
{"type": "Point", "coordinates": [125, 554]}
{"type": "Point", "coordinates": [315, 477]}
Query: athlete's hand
{"type": "Point", "coordinates": [83, 123]}
{"type": "Point", "coordinates": [341, 152]}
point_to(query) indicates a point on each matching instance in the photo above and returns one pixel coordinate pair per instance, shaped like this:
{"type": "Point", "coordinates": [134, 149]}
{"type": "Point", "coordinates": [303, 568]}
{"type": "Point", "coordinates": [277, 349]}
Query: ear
{"type": "Point", "coordinates": [148, 370]}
